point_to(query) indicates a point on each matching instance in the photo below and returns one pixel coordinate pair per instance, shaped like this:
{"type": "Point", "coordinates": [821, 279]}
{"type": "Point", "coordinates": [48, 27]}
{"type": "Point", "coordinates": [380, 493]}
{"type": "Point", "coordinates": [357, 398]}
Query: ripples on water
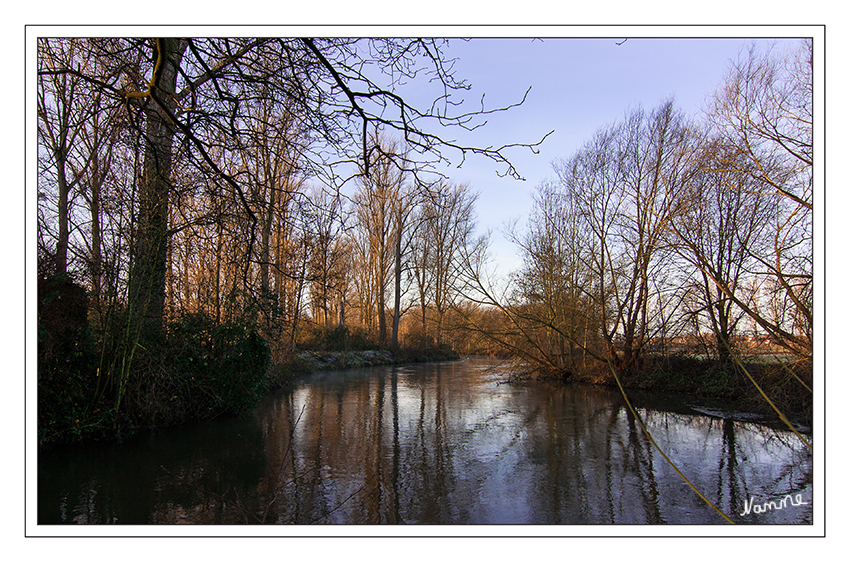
{"type": "Point", "coordinates": [433, 444]}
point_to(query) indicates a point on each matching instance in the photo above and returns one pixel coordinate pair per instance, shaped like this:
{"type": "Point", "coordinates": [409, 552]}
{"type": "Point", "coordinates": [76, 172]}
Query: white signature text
{"type": "Point", "coordinates": [753, 507]}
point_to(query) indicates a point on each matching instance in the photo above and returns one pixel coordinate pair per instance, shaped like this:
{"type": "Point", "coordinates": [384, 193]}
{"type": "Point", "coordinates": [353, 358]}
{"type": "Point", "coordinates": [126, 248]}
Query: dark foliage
{"type": "Point", "coordinates": [203, 370]}
{"type": "Point", "coordinates": [199, 370]}
{"type": "Point", "coordinates": [724, 381]}
{"type": "Point", "coordinates": [67, 366]}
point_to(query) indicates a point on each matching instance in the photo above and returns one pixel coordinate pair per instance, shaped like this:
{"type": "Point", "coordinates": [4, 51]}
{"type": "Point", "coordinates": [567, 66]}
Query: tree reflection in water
{"type": "Point", "coordinates": [434, 444]}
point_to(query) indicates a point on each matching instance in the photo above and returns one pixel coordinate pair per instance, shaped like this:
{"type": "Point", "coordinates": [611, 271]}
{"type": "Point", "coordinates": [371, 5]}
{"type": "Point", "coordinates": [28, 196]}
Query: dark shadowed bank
{"type": "Point", "coordinates": [714, 382]}
{"type": "Point", "coordinates": [196, 369]}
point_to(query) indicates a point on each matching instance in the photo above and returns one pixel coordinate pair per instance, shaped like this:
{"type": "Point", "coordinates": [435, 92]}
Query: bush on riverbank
{"type": "Point", "coordinates": [67, 362]}
{"type": "Point", "coordinates": [725, 381]}
{"type": "Point", "coordinates": [194, 369]}
{"type": "Point", "coordinates": [692, 376]}
{"type": "Point", "coordinates": [197, 369]}
{"type": "Point", "coordinates": [203, 370]}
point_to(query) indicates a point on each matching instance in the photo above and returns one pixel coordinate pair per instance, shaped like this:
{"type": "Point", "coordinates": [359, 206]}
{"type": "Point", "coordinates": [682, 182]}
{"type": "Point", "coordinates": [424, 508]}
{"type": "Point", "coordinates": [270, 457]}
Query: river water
{"type": "Point", "coordinates": [445, 443]}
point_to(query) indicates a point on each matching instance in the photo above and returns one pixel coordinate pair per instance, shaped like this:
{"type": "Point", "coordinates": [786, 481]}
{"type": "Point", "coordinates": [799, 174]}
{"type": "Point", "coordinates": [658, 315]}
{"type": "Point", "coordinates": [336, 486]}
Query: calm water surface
{"type": "Point", "coordinates": [437, 443]}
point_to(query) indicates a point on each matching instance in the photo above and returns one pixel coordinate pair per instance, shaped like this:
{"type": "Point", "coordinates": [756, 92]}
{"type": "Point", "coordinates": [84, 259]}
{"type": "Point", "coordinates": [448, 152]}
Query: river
{"type": "Point", "coordinates": [444, 443]}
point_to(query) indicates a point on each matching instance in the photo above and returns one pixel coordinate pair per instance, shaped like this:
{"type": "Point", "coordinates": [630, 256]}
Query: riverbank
{"type": "Point", "coordinates": [201, 387]}
{"type": "Point", "coordinates": [307, 362]}
{"type": "Point", "coordinates": [98, 384]}
{"type": "Point", "coordinates": [787, 386]}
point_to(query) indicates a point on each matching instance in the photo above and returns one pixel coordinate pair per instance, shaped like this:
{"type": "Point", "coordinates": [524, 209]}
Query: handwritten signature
{"type": "Point", "coordinates": [753, 507]}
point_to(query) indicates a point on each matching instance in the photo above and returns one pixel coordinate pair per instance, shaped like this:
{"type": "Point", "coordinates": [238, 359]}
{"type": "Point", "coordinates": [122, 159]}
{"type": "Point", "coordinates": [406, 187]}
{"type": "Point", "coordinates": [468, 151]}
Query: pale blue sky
{"type": "Point", "coordinates": [578, 86]}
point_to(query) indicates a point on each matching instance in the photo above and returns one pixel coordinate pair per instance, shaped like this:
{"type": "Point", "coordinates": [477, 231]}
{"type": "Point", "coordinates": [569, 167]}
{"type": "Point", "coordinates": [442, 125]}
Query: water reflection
{"type": "Point", "coordinates": [435, 444]}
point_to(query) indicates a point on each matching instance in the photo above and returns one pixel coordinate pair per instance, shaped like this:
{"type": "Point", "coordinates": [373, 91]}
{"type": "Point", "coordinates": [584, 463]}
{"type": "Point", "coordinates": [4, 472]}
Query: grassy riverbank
{"type": "Point", "coordinates": [97, 386]}
{"type": "Point", "coordinates": [106, 379]}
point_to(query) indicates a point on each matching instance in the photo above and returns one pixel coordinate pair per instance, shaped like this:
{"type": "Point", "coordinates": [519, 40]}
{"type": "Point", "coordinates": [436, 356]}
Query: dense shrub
{"type": "Point", "coordinates": [223, 367]}
{"type": "Point", "coordinates": [67, 366]}
{"type": "Point", "coordinates": [198, 370]}
{"type": "Point", "coordinates": [725, 381]}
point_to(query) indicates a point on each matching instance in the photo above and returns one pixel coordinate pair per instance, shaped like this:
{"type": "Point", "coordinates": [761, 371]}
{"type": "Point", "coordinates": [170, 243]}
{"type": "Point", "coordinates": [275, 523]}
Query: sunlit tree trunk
{"type": "Point", "coordinates": [376, 202]}
{"type": "Point", "coordinates": [397, 284]}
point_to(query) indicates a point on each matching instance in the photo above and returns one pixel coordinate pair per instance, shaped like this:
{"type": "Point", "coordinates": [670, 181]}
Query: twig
{"type": "Point", "coordinates": [666, 458]}
{"type": "Point", "coordinates": [769, 401]}
{"type": "Point", "coordinates": [354, 493]}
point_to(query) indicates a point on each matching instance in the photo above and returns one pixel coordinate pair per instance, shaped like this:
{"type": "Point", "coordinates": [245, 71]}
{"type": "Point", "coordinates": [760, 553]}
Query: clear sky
{"type": "Point", "coordinates": [577, 86]}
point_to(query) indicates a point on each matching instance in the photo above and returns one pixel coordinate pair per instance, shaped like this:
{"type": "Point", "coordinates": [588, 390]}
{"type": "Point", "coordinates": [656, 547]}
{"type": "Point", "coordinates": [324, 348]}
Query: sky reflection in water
{"type": "Point", "coordinates": [433, 444]}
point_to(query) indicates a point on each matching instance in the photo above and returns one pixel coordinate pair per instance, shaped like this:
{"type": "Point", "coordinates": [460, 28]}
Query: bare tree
{"type": "Point", "coordinates": [725, 223]}
{"type": "Point", "coordinates": [420, 267]}
{"type": "Point", "coordinates": [377, 202]}
{"type": "Point", "coordinates": [552, 281]}
{"type": "Point", "coordinates": [622, 186]}
{"type": "Point", "coordinates": [327, 266]}
{"type": "Point", "coordinates": [448, 224]}
{"type": "Point", "coordinates": [147, 280]}
{"type": "Point", "coordinates": [71, 133]}
{"type": "Point", "coordinates": [763, 115]}
{"type": "Point", "coordinates": [405, 232]}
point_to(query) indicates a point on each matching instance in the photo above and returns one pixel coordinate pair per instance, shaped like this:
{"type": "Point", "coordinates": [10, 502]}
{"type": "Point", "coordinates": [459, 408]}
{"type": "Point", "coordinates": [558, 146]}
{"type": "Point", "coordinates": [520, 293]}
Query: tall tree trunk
{"type": "Point", "coordinates": [147, 281]}
{"type": "Point", "coordinates": [96, 258]}
{"type": "Point", "coordinates": [380, 288]}
{"type": "Point", "coordinates": [266, 258]}
{"type": "Point", "coordinates": [423, 306]}
{"type": "Point", "coordinates": [219, 234]}
{"type": "Point", "coordinates": [341, 308]}
{"type": "Point", "coordinates": [63, 188]}
{"type": "Point", "coordinates": [382, 317]}
{"type": "Point", "coordinates": [397, 275]}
